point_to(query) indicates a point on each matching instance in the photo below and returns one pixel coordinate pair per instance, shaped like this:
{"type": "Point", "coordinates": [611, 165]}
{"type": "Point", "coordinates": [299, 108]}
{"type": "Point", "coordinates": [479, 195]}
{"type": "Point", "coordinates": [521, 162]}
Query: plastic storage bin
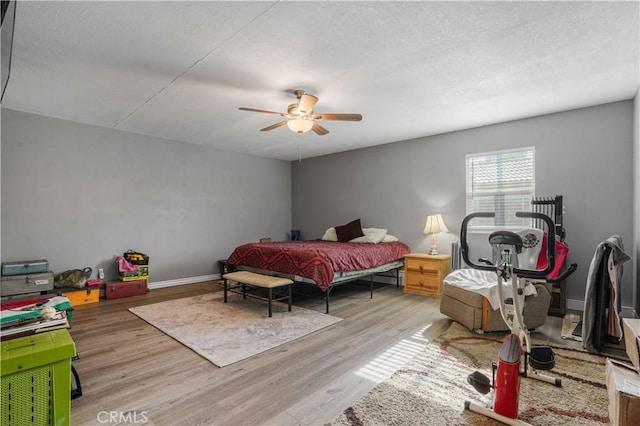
{"type": "Point", "coordinates": [36, 379]}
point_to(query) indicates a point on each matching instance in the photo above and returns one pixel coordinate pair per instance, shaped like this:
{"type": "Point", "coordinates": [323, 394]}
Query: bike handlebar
{"type": "Point", "coordinates": [527, 273]}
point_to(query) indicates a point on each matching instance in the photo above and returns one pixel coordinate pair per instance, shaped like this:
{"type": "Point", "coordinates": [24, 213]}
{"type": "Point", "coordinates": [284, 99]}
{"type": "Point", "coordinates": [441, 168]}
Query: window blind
{"type": "Point", "coordinates": [502, 182]}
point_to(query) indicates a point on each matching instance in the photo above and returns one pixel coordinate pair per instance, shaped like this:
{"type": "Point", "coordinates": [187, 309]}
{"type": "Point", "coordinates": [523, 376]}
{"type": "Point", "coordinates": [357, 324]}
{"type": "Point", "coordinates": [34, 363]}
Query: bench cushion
{"type": "Point", "coordinates": [266, 281]}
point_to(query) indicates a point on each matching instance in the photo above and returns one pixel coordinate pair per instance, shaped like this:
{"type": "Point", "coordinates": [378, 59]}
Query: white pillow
{"type": "Point", "coordinates": [371, 236]}
{"type": "Point", "coordinates": [330, 235]}
{"type": "Point", "coordinates": [389, 238]}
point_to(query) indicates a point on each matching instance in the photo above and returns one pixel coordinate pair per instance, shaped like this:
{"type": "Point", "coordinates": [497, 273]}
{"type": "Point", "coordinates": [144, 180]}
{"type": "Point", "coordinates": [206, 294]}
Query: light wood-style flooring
{"type": "Point", "coordinates": [131, 372]}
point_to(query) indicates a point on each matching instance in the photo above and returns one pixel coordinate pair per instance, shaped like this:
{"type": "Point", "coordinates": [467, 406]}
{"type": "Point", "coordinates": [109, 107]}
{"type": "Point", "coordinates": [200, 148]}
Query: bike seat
{"type": "Point", "coordinates": [506, 238]}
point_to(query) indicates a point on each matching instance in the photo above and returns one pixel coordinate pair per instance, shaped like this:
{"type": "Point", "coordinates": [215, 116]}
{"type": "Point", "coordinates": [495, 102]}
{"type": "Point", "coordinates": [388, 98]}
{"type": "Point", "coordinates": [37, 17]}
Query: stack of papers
{"type": "Point", "coordinates": [26, 326]}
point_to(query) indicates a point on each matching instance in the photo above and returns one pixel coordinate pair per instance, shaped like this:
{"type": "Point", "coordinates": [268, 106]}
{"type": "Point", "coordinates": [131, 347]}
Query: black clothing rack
{"type": "Point", "coordinates": [552, 207]}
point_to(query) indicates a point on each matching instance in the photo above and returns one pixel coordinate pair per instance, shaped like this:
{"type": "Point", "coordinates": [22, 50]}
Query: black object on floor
{"type": "Point", "coordinates": [578, 330]}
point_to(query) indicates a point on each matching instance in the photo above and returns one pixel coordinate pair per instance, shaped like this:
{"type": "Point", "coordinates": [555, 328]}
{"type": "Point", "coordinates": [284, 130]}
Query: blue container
{"type": "Point", "coordinates": [24, 267]}
{"type": "Point", "coordinates": [295, 235]}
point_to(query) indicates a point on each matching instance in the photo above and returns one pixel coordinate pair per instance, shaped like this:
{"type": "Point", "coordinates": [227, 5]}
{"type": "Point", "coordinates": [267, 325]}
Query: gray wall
{"type": "Point", "coordinates": [80, 195]}
{"type": "Point", "coordinates": [584, 155]}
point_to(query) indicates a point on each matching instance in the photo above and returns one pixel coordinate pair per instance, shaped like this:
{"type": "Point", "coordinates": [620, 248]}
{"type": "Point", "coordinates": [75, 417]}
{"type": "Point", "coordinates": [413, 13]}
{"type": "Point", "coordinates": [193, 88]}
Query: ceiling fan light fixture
{"type": "Point", "coordinates": [306, 103]}
{"type": "Point", "coordinates": [300, 125]}
{"type": "Point", "coordinates": [300, 118]}
{"type": "Point", "coordinates": [293, 109]}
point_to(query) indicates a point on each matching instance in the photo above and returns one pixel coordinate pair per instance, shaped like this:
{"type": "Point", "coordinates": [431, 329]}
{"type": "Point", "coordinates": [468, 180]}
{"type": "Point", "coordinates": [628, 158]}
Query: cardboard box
{"type": "Point", "coordinates": [623, 388]}
{"type": "Point", "coordinates": [631, 327]}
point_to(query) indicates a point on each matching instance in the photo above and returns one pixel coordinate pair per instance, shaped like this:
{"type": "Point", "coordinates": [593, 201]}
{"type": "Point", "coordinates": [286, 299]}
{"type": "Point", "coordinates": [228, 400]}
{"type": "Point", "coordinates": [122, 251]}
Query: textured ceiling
{"type": "Point", "coordinates": [180, 70]}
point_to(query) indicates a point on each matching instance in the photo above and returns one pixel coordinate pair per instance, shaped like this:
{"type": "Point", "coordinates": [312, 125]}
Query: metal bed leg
{"type": "Point", "coordinates": [371, 286]}
{"type": "Point", "coordinates": [290, 295]}
{"type": "Point", "coordinates": [327, 299]}
{"type": "Point", "coordinates": [270, 302]}
{"type": "Point", "coordinates": [225, 290]}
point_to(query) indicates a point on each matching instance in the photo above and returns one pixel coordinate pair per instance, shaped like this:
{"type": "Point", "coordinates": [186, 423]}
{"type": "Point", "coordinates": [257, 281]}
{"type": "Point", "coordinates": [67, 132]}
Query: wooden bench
{"type": "Point", "coordinates": [257, 280]}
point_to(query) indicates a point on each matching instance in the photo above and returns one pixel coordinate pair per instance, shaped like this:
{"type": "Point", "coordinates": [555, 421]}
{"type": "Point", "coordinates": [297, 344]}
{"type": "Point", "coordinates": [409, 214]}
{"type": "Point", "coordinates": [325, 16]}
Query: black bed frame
{"type": "Point", "coordinates": [395, 272]}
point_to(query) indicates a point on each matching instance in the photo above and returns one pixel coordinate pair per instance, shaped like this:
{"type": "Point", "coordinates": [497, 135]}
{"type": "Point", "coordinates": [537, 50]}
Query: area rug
{"type": "Point", "coordinates": [432, 388]}
{"type": "Point", "coordinates": [225, 333]}
{"type": "Point", "coordinates": [572, 327]}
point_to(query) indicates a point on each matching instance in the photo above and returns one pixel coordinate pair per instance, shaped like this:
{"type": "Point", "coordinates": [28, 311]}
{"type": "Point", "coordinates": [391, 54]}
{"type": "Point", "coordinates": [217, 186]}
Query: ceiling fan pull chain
{"type": "Point", "coordinates": [300, 147]}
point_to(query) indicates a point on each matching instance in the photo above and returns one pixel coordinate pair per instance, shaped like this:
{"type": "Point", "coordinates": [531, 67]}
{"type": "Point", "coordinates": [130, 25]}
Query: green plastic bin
{"type": "Point", "coordinates": [36, 379]}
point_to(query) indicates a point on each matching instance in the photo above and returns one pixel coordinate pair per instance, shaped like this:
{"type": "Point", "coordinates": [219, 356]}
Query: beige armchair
{"type": "Point", "coordinates": [474, 311]}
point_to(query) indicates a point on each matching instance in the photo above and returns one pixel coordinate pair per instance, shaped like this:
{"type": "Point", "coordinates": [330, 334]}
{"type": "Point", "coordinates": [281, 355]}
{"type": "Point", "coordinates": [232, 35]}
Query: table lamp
{"type": "Point", "coordinates": [434, 225]}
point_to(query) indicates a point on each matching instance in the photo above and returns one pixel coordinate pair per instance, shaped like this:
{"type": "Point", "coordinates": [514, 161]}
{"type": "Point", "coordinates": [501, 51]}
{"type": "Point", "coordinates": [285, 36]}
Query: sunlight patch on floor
{"type": "Point", "coordinates": [384, 365]}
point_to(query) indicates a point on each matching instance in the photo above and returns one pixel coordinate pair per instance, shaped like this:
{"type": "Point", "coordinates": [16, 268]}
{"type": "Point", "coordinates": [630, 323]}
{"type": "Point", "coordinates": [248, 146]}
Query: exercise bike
{"type": "Point", "coordinates": [516, 353]}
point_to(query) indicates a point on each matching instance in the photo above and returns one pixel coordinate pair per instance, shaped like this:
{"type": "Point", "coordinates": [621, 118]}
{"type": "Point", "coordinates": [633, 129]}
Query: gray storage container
{"type": "Point", "coordinates": [31, 283]}
{"type": "Point", "coordinates": [23, 267]}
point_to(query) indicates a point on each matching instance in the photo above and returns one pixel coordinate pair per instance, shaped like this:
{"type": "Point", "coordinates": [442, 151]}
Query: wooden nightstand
{"type": "Point", "coordinates": [423, 273]}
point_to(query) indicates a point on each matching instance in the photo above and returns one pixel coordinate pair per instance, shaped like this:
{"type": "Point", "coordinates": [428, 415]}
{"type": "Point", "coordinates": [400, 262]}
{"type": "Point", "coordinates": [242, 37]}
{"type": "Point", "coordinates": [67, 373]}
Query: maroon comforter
{"type": "Point", "coordinates": [317, 260]}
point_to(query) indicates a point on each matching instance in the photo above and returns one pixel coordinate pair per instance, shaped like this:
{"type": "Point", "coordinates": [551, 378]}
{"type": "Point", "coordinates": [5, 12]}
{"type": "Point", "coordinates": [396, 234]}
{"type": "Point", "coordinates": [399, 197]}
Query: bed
{"type": "Point", "coordinates": [326, 264]}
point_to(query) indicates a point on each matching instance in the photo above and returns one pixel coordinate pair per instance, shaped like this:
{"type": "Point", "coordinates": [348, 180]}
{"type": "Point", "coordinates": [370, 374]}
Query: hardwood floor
{"type": "Point", "coordinates": [133, 373]}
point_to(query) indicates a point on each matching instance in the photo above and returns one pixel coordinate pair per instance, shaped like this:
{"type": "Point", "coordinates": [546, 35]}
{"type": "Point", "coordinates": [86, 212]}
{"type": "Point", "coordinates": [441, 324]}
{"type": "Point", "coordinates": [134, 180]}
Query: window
{"type": "Point", "coordinates": [502, 182]}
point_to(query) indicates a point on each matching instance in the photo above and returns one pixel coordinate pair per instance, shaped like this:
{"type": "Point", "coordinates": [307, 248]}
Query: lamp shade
{"type": "Point", "coordinates": [300, 125]}
{"type": "Point", "coordinates": [435, 224]}
{"type": "Point", "coordinates": [306, 104]}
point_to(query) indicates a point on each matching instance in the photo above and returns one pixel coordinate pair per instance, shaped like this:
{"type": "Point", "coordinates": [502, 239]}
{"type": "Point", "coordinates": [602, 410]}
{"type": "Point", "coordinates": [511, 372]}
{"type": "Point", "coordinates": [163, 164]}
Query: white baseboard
{"type": "Point", "coordinates": [183, 281]}
{"type": "Point", "coordinates": [572, 304]}
{"type": "Point", "coordinates": [578, 305]}
{"type": "Point", "coordinates": [575, 305]}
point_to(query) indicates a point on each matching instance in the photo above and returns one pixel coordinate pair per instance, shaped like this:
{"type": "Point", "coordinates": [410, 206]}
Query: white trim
{"type": "Point", "coordinates": [575, 305]}
{"type": "Point", "coordinates": [578, 305]}
{"type": "Point", "coordinates": [183, 281]}
{"type": "Point", "coordinates": [501, 151]}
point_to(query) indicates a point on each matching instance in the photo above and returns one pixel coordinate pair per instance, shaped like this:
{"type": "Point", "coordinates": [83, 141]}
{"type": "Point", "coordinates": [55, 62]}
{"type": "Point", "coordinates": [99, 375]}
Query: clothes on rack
{"type": "Point", "coordinates": [603, 282]}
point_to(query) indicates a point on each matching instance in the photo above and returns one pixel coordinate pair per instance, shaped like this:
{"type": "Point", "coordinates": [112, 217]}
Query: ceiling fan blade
{"type": "Point", "coordinates": [306, 104]}
{"type": "Point", "coordinates": [320, 131]}
{"type": "Point", "coordinates": [274, 126]}
{"type": "Point", "coordinates": [339, 117]}
{"type": "Point", "coordinates": [260, 110]}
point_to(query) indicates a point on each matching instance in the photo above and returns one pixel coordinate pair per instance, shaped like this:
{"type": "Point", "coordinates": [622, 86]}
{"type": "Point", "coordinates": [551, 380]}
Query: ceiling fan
{"type": "Point", "coordinates": [300, 117]}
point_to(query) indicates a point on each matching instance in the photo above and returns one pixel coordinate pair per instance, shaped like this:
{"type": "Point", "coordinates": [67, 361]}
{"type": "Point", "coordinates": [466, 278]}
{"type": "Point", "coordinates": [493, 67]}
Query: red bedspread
{"type": "Point", "coordinates": [317, 260]}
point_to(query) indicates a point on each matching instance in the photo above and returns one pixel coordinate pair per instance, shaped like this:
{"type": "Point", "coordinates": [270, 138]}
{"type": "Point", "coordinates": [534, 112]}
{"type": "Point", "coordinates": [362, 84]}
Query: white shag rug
{"type": "Point", "coordinates": [225, 333]}
{"type": "Point", "coordinates": [432, 388]}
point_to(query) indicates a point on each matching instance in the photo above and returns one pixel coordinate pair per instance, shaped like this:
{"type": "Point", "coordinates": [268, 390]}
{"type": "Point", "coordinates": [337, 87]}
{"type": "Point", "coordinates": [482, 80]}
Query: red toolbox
{"type": "Point", "coordinates": [117, 289]}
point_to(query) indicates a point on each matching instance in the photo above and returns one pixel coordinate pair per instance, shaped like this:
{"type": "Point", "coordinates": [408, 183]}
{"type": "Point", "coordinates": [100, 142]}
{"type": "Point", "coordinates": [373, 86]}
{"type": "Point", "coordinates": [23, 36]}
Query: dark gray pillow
{"type": "Point", "coordinates": [349, 231]}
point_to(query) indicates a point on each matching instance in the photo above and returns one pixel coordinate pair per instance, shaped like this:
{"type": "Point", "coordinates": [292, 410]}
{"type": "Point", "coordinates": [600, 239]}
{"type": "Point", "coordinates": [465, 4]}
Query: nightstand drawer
{"type": "Point", "coordinates": [422, 265]}
{"type": "Point", "coordinates": [426, 276]}
{"type": "Point", "coordinates": [426, 281]}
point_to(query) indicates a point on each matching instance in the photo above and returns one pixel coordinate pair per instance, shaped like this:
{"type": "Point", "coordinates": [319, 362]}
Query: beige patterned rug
{"type": "Point", "coordinates": [432, 388]}
{"type": "Point", "coordinates": [225, 333]}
